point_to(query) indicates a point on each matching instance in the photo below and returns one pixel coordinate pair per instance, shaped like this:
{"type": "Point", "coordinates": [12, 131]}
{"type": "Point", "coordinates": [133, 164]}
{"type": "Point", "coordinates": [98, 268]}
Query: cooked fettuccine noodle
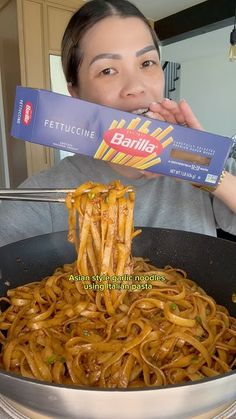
{"type": "Point", "coordinates": [110, 319]}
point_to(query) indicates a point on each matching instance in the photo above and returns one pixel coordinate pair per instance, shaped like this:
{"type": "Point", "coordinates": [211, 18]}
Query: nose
{"type": "Point", "coordinates": [132, 86]}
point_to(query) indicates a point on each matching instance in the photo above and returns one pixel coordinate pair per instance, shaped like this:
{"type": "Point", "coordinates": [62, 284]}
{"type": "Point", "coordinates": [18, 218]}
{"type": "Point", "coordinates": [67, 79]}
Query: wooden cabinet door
{"type": "Point", "coordinates": [41, 24]}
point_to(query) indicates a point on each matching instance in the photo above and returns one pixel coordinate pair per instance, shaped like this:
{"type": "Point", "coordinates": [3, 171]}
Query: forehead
{"type": "Point", "coordinates": [116, 33]}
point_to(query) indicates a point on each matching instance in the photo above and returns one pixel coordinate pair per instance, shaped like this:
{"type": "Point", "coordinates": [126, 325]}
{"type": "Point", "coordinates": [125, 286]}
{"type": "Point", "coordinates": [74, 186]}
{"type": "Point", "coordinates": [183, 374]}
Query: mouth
{"type": "Point", "coordinates": [141, 111]}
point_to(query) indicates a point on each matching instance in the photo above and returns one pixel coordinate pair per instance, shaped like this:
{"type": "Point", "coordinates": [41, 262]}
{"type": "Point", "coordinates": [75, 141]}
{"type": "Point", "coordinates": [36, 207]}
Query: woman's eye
{"type": "Point", "coordinates": [148, 63]}
{"type": "Point", "coordinates": [107, 71]}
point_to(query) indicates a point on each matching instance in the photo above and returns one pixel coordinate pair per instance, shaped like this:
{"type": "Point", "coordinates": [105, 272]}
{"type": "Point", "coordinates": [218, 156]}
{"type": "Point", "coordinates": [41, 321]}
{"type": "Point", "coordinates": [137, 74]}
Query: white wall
{"type": "Point", "coordinates": [57, 78]}
{"type": "Point", "coordinates": [58, 85]}
{"type": "Point", "coordinates": [209, 84]}
{"type": "Point", "coordinates": [208, 79]}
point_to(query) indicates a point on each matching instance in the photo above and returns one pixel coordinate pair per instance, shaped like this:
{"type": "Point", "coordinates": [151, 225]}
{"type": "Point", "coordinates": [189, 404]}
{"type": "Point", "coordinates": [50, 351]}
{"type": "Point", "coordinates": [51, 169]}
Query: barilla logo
{"type": "Point", "coordinates": [132, 142]}
{"type": "Point", "coordinates": [27, 113]}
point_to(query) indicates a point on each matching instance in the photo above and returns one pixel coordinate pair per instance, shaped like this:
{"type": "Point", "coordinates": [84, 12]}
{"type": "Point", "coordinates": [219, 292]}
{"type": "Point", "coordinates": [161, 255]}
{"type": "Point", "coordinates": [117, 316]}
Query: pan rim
{"type": "Point", "coordinates": [204, 380]}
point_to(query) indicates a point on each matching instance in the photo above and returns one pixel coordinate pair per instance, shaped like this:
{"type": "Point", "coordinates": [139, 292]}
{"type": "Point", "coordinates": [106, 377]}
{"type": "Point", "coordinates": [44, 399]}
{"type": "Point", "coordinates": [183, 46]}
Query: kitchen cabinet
{"type": "Point", "coordinates": [30, 30]}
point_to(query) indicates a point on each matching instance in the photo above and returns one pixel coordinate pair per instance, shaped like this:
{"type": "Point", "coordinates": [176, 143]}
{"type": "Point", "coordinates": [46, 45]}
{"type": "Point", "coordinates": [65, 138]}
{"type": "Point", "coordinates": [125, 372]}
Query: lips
{"type": "Point", "coordinates": [140, 111]}
{"type": "Point", "coordinates": [145, 112]}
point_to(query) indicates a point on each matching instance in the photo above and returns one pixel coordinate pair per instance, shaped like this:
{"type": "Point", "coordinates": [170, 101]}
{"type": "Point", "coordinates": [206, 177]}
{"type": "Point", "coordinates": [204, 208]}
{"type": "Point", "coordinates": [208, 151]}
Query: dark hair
{"type": "Point", "coordinates": [88, 15]}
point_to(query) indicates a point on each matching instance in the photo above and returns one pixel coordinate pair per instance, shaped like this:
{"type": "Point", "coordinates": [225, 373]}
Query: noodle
{"type": "Point", "coordinates": [109, 319]}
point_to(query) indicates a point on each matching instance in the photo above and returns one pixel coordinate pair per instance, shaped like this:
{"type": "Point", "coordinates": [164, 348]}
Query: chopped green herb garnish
{"type": "Point", "coordinates": [194, 358]}
{"type": "Point", "coordinates": [85, 332]}
{"type": "Point", "coordinates": [200, 338]}
{"type": "Point", "coordinates": [62, 359]}
{"type": "Point", "coordinates": [173, 306]}
{"type": "Point", "coordinates": [198, 319]}
{"type": "Point", "coordinates": [91, 195]}
{"type": "Point", "coordinates": [51, 359]}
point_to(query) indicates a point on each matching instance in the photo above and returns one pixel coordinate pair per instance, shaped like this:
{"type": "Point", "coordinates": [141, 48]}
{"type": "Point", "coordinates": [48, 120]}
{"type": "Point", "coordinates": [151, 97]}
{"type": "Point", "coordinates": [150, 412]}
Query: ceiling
{"type": "Point", "coordinates": [158, 9]}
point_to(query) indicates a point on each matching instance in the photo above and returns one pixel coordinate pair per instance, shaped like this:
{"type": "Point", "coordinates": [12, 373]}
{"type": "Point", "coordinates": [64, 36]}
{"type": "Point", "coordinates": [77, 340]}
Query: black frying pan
{"type": "Point", "coordinates": [209, 261]}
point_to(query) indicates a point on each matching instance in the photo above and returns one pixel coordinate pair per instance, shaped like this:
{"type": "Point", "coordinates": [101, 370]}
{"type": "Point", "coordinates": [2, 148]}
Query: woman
{"type": "Point", "coordinates": [110, 56]}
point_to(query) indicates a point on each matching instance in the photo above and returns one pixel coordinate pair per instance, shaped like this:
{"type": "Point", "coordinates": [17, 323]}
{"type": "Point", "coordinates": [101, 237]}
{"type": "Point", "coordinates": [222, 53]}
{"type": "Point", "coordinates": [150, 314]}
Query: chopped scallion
{"type": "Point", "coordinates": [198, 319]}
{"type": "Point", "coordinates": [200, 338]}
{"type": "Point", "coordinates": [91, 195]}
{"type": "Point", "coordinates": [51, 359]}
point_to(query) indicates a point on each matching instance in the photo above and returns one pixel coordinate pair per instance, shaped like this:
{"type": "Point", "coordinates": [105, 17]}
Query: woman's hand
{"type": "Point", "coordinates": [181, 113]}
{"type": "Point", "coordinates": [226, 191]}
{"type": "Point", "coordinates": [175, 113]}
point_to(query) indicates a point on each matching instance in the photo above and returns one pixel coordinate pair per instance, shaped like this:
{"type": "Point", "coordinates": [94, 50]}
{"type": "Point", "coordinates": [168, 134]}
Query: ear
{"type": "Point", "coordinates": [72, 90]}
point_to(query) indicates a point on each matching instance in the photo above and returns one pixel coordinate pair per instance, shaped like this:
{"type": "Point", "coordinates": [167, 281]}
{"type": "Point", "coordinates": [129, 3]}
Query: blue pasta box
{"type": "Point", "coordinates": [74, 125]}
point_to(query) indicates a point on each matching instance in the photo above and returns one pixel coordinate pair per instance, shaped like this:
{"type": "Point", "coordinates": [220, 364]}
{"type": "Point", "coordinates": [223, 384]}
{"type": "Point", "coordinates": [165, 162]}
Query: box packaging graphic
{"type": "Point", "coordinates": [74, 125]}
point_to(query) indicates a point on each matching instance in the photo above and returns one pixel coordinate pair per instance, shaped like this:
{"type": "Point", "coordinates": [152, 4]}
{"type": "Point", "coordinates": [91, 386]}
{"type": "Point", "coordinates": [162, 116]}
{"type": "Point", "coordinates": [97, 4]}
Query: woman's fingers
{"type": "Point", "coordinates": [167, 114]}
{"type": "Point", "coordinates": [190, 118]}
{"type": "Point", "coordinates": [175, 113]}
{"type": "Point", "coordinates": [170, 107]}
{"type": "Point", "coordinates": [154, 115]}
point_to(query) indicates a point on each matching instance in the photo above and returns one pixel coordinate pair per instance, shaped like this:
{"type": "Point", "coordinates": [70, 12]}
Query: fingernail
{"type": "Point", "coordinates": [149, 114]}
{"type": "Point", "coordinates": [153, 103]}
{"type": "Point", "coordinates": [183, 100]}
{"type": "Point", "coordinates": [166, 99]}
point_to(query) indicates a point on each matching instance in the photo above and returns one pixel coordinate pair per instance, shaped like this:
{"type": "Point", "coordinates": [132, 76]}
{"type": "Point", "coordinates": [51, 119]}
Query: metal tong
{"type": "Point", "coordinates": [43, 195]}
{"type": "Point", "coordinates": [47, 195]}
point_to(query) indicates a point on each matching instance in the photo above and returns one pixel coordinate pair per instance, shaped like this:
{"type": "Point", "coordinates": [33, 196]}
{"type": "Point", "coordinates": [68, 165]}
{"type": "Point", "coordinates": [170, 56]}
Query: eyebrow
{"type": "Point", "coordinates": [108, 55]}
{"type": "Point", "coordinates": [145, 49]}
{"type": "Point", "coordinates": [104, 56]}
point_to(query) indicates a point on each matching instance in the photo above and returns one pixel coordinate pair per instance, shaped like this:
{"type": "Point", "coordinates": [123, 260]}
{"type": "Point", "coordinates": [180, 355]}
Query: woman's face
{"type": "Point", "coordinates": [120, 66]}
{"type": "Point", "coordinates": [120, 69]}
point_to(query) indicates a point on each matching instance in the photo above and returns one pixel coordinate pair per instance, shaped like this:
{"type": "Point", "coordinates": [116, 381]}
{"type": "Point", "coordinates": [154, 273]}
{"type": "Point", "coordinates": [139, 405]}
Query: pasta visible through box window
{"type": "Point", "coordinates": [109, 319]}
